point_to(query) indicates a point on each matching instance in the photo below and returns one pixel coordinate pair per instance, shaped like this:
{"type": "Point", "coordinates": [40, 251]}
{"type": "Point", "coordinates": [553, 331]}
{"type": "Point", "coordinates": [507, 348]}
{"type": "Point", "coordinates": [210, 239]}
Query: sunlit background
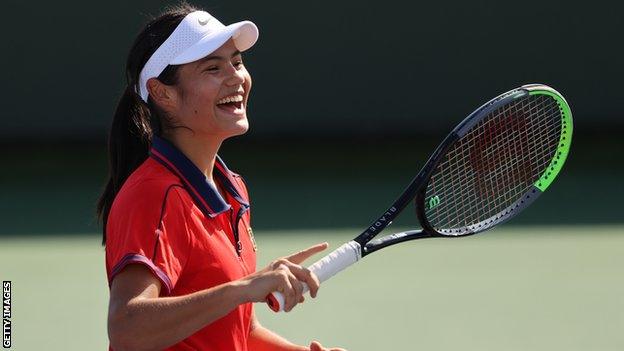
{"type": "Point", "coordinates": [349, 99]}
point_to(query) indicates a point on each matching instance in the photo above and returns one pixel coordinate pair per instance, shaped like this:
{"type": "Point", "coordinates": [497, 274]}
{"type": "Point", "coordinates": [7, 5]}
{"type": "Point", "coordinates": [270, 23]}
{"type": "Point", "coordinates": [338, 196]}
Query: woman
{"type": "Point", "coordinates": [180, 255]}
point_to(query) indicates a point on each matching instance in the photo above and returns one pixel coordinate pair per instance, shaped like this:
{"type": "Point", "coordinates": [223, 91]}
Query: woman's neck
{"type": "Point", "coordinates": [201, 151]}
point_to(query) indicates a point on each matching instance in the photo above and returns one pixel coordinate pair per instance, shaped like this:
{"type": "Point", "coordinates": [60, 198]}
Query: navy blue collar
{"type": "Point", "coordinates": [207, 198]}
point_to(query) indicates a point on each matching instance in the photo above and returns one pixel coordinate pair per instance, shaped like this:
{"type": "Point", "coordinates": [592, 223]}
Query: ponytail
{"type": "Point", "coordinates": [134, 121]}
{"type": "Point", "coordinates": [128, 145]}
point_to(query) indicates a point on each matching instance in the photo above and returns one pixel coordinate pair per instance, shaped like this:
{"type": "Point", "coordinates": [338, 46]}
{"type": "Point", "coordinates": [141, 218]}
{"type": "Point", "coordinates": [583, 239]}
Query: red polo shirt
{"type": "Point", "coordinates": [170, 219]}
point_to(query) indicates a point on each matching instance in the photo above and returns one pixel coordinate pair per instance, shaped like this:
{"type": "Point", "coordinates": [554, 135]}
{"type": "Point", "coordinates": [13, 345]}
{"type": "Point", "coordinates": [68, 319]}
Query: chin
{"type": "Point", "coordinates": [243, 126]}
{"type": "Point", "coordinates": [240, 127]}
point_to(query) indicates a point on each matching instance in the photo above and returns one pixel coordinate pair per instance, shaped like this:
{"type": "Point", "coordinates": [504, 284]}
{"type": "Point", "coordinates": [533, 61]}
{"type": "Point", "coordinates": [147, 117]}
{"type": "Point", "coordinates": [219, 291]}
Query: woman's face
{"type": "Point", "coordinates": [211, 94]}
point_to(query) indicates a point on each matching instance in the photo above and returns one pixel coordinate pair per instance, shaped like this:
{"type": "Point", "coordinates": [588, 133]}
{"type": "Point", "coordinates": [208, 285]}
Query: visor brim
{"type": "Point", "coordinates": [244, 34]}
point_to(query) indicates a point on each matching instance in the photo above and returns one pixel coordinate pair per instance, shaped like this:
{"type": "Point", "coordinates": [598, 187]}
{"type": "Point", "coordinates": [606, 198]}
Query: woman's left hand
{"type": "Point", "coordinates": [316, 346]}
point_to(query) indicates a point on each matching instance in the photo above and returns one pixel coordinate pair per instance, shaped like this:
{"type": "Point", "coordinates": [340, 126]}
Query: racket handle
{"type": "Point", "coordinates": [325, 268]}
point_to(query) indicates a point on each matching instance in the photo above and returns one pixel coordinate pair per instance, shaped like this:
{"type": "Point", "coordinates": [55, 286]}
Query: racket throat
{"type": "Point", "coordinates": [378, 226]}
{"type": "Point", "coordinates": [388, 240]}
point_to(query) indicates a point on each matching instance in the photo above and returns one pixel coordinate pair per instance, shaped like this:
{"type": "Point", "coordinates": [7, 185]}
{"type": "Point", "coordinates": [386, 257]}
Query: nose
{"type": "Point", "coordinates": [237, 76]}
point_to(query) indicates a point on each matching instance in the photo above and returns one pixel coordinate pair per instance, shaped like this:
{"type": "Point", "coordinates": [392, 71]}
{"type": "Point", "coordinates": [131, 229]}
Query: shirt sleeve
{"type": "Point", "coordinates": [149, 229]}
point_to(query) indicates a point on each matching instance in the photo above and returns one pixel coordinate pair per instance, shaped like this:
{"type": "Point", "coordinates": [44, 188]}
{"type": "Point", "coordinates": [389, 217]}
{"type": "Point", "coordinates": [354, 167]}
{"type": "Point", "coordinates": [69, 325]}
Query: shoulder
{"type": "Point", "coordinates": [147, 198]}
{"type": "Point", "coordinates": [146, 190]}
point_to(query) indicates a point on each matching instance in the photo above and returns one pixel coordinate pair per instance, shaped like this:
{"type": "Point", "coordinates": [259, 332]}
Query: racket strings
{"type": "Point", "coordinates": [494, 164]}
{"type": "Point", "coordinates": [487, 158]}
{"type": "Point", "coordinates": [498, 177]}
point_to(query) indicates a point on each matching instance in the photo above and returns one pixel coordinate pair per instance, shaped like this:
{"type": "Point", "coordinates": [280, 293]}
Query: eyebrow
{"type": "Point", "coordinates": [216, 57]}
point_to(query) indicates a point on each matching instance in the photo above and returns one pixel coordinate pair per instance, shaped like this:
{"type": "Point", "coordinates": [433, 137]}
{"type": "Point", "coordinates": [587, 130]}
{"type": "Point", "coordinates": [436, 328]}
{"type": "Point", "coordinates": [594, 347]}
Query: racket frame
{"type": "Point", "coordinates": [365, 243]}
{"type": "Point", "coordinates": [417, 187]}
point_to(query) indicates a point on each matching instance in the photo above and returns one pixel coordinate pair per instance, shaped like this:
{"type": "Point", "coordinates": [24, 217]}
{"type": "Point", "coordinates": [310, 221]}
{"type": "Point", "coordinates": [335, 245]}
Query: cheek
{"type": "Point", "coordinates": [200, 98]}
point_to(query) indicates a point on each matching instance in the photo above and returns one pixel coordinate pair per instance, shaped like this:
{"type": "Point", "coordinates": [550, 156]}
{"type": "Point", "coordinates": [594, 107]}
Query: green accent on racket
{"type": "Point", "coordinates": [565, 140]}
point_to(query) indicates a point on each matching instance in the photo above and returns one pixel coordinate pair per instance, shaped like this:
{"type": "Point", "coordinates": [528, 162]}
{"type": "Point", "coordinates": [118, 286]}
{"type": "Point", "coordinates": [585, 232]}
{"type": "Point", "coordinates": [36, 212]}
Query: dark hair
{"type": "Point", "coordinates": [135, 121]}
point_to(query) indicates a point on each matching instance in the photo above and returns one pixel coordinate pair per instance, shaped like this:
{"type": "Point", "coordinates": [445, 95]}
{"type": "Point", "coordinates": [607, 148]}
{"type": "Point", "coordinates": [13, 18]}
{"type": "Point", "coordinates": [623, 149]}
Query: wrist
{"type": "Point", "coordinates": [239, 289]}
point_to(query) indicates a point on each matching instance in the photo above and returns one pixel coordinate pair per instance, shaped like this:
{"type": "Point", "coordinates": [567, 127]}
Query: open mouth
{"type": "Point", "coordinates": [232, 104]}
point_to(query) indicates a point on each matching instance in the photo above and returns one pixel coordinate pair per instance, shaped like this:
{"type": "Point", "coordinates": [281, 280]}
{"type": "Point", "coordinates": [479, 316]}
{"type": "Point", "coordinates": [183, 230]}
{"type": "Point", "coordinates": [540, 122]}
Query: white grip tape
{"type": "Point", "coordinates": [336, 261]}
{"type": "Point", "coordinates": [327, 267]}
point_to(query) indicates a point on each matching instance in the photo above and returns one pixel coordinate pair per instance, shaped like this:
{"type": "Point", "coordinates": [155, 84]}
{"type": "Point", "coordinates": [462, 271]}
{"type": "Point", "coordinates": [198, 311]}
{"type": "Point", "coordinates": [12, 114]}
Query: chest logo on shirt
{"type": "Point", "coordinates": [253, 240]}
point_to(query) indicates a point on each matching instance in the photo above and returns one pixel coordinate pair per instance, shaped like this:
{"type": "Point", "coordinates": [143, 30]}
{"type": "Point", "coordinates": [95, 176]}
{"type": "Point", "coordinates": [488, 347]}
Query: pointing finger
{"type": "Point", "coordinates": [303, 255]}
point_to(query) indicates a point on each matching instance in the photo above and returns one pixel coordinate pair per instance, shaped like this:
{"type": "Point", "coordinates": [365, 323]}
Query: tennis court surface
{"type": "Point", "coordinates": [515, 288]}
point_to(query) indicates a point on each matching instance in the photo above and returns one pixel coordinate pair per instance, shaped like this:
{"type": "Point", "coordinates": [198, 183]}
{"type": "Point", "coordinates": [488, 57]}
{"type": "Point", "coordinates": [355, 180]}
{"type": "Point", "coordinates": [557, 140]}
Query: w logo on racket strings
{"type": "Point", "coordinates": [433, 202]}
{"type": "Point", "coordinates": [384, 220]}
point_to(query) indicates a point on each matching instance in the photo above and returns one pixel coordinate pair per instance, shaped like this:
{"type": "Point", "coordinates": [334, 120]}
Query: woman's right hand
{"type": "Point", "coordinates": [286, 276]}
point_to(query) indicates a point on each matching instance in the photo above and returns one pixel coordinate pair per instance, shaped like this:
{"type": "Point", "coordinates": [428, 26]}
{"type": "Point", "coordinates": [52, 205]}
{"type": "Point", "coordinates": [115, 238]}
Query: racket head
{"type": "Point", "coordinates": [496, 162]}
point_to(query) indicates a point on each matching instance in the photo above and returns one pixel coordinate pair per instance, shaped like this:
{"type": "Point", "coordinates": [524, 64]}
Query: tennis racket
{"type": "Point", "coordinates": [492, 166]}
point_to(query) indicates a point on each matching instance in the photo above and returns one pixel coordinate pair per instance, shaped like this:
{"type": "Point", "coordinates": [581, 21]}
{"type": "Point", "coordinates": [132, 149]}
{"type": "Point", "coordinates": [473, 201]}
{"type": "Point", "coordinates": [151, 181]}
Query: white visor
{"type": "Point", "coordinates": [198, 35]}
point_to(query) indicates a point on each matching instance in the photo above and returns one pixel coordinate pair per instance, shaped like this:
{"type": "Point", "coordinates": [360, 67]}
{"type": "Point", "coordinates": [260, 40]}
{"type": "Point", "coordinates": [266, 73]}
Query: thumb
{"type": "Point", "coordinates": [316, 346]}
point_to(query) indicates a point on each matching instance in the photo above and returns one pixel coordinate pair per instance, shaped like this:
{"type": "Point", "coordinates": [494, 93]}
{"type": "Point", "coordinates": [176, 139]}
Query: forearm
{"type": "Point", "coordinates": [262, 339]}
{"type": "Point", "coordinates": [156, 323]}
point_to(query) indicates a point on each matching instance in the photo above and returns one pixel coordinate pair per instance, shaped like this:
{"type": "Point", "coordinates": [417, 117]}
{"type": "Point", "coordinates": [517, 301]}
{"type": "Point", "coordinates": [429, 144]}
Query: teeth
{"type": "Point", "coordinates": [234, 98]}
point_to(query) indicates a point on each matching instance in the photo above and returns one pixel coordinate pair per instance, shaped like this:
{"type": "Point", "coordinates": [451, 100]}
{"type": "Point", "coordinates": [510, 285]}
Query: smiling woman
{"type": "Point", "coordinates": [180, 254]}
{"type": "Point", "coordinates": [209, 99]}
